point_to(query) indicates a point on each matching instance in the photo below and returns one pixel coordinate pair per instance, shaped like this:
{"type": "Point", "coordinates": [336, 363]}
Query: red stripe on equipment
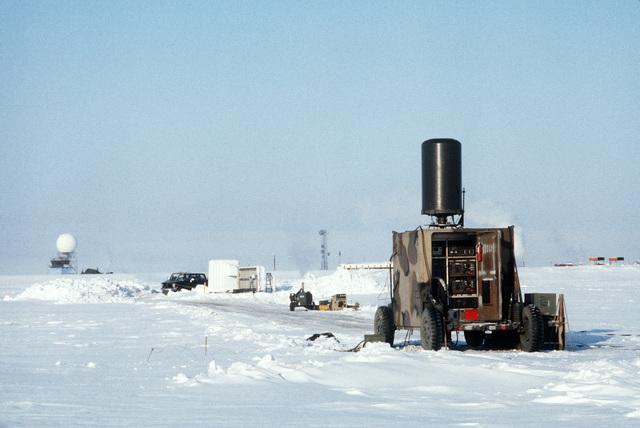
{"type": "Point", "coordinates": [470, 314]}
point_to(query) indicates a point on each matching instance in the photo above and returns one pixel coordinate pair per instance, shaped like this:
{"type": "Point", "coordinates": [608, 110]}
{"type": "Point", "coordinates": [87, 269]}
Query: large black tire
{"type": "Point", "coordinates": [532, 335]}
{"type": "Point", "coordinates": [431, 331]}
{"type": "Point", "coordinates": [383, 324]}
{"type": "Point", "coordinates": [292, 306]}
{"type": "Point", "coordinates": [474, 338]}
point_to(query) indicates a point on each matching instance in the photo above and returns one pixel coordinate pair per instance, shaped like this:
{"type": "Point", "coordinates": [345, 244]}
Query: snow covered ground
{"type": "Point", "coordinates": [112, 351]}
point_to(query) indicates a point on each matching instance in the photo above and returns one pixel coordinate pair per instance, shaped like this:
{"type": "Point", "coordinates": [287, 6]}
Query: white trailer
{"type": "Point", "coordinates": [223, 276]}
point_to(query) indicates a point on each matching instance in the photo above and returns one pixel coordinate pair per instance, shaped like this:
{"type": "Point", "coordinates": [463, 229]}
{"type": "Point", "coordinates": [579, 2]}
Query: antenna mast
{"type": "Point", "coordinates": [324, 251]}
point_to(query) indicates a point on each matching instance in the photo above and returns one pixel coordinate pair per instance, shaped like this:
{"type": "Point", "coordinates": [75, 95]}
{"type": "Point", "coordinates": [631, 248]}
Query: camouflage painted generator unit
{"type": "Point", "coordinates": [446, 278]}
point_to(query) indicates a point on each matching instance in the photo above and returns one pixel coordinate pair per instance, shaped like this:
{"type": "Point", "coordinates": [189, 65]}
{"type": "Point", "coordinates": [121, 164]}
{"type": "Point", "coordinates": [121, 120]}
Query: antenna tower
{"type": "Point", "coordinates": [324, 251]}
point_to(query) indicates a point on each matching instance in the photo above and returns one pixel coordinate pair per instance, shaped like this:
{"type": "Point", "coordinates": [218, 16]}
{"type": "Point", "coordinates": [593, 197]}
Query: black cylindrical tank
{"type": "Point", "coordinates": [441, 177]}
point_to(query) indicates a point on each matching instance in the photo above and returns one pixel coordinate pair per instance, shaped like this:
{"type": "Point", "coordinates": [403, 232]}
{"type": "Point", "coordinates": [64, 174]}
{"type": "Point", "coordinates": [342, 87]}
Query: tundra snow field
{"type": "Point", "coordinates": [113, 351]}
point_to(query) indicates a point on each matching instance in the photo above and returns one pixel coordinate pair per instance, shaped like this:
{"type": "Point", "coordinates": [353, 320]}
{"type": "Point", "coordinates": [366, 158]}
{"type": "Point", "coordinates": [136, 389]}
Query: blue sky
{"type": "Point", "coordinates": [163, 134]}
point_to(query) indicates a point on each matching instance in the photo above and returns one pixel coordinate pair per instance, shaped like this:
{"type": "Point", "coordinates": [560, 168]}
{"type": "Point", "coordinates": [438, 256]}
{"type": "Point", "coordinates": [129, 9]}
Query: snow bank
{"type": "Point", "coordinates": [357, 285]}
{"type": "Point", "coordinates": [347, 281]}
{"type": "Point", "coordinates": [84, 290]}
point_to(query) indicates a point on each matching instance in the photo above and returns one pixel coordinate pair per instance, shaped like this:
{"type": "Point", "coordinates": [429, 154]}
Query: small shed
{"type": "Point", "coordinates": [616, 261]}
{"type": "Point", "coordinates": [594, 260]}
{"type": "Point", "coordinates": [251, 278]}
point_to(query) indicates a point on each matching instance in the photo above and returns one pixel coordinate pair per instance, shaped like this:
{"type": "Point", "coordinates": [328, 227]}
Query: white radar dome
{"type": "Point", "coordinates": [66, 243]}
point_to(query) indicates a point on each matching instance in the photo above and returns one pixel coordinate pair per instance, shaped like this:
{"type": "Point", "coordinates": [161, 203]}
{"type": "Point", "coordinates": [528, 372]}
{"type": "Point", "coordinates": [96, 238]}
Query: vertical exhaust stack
{"type": "Point", "coordinates": [442, 194]}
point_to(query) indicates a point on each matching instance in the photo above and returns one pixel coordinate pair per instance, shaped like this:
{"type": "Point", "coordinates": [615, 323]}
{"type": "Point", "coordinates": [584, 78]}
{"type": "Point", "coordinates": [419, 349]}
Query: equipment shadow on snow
{"type": "Point", "coordinates": [460, 345]}
{"type": "Point", "coordinates": [415, 345]}
{"type": "Point", "coordinates": [588, 339]}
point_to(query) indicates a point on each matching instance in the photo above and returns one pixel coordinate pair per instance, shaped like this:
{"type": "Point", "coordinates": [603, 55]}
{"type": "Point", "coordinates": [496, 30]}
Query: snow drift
{"type": "Point", "coordinates": [347, 281]}
{"type": "Point", "coordinates": [104, 289]}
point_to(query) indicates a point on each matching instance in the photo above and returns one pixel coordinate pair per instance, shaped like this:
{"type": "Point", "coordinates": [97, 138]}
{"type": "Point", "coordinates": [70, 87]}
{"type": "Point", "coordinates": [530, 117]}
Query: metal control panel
{"type": "Point", "coordinates": [462, 277]}
{"type": "Point", "coordinates": [464, 250]}
{"type": "Point", "coordinates": [455, 261]}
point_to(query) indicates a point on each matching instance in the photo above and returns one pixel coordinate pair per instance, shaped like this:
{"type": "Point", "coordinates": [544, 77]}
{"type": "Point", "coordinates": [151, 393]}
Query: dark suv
{"type": "Point", "coordinates": [183, 281]}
